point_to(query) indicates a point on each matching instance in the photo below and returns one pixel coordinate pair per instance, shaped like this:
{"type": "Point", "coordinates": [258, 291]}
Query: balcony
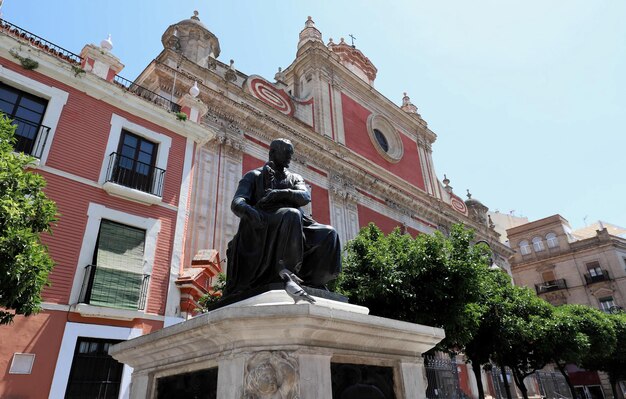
{"type": "Point", "coordinates": [30, 138]}
{"type": "Point", "coordinates": [549, 286]}
{"type": "Point", "coordinates": [146, 94]}
{"type": "Point", "coordinates": [39, 42]}
{"type": "Point", "coordinates": [595, 277]}
{"type": "Point", "coordinates": [131, 173]}
{"type": "Point", "coordinates": [103, 286]}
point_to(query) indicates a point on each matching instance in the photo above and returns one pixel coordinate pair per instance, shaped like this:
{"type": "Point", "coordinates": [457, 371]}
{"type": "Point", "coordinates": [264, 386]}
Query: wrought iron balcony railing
{"type": "Point", "coordinates": [595, 277]}
{"type": "Point", "coordinates": [131, 173]}
{"type": "Point", "coordinates": [146, 94]}
{"type": "Point", "coordinates": [553, 285]}
{"type": "Point", "coordinates": [49, 47]}
{"type": "Point", "coordinates": [30, 138]}
{"type": "Point", "coordinates": [114, 288]}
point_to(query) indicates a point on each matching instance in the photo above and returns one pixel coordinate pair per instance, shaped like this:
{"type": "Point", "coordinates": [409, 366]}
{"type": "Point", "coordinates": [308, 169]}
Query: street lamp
{"type": "Point", "coordinates": [493, 265]}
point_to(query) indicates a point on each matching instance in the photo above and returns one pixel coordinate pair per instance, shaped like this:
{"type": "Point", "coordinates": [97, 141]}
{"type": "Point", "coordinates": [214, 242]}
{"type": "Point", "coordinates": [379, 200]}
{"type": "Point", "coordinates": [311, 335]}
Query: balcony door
{"type": "Point", "coordinates": [118, 277]}
{"type": "Point", "coordinates": [135, 163]}
{"type": "Point", "coordinates": [27, 112]}
{"type": "Point", "coordinates": [94, 374]}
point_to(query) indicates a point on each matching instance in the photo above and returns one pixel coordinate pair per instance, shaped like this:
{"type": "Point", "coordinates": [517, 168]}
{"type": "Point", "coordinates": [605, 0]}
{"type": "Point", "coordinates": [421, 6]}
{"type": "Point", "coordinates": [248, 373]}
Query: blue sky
{"type": "Point", "coordinates": [528, 98]}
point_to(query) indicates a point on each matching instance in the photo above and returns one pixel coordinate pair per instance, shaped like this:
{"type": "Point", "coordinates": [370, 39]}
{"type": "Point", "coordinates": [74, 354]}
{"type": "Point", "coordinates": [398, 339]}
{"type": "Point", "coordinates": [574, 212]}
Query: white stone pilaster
{"type": "Point", "coordinates": [202, 214]}
{"type": "Point", "coordinates": [139, 386]}
{"type": "Point", "coordinates": [230, 378]}
{"type": "Point", "coordinates": [340, 135]}
{"type": "Point", "coordinates": [344, 216]}
{"type": "Point", "coordinates": [227, 222]}
{"type": "Point", "coordinates": [413, 378]}
{"type": "Point", "coordinates": [315, 377]}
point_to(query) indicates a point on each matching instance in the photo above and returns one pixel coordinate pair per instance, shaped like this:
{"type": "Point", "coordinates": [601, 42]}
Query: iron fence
{"type": "Point", "coordinates": [552, 385]}
{"type": "Point", "coordinates": [133, 174]}
{"type": "Point", "coordinates": [39, 42]}
{"type": "Point", "coordinates": [146, 94]}
{"type": "Point", "coordinates": [114, 288]}
{"type": "Point", "coordinates": [442, 376]}
{"type": "Point", "coordinates": [554, 285]}
{"type": "Point", "coordinates": [594, 278]}
{"type": "Point", "coordinates": [30, 138]}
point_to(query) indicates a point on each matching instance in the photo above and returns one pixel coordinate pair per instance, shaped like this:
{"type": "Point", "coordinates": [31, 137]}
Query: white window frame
{"type": "Point", "coordinates": [601, 302]}
{"type": "Point", "coordinates": [163, 142]}
{"type": "Point", "coordinates": [552, 240]}
{"type": "Point", "coordinates": [538, 244]}
{"type": "Point", "coordinates": [524, 247]}
{"type": "Point", "coordinates": [594, 268]}
{"type": "Point", "coordinates": [68, 345]}
{"type": "Point", "coordinates": [56, 101]}
{"type": "Point", "coordinates": [95, 214]}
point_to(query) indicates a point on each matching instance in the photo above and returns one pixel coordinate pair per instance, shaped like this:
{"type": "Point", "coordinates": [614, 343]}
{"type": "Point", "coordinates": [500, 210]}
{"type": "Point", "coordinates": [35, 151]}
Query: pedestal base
{"type": "Point", "coordinates": [268, 347]}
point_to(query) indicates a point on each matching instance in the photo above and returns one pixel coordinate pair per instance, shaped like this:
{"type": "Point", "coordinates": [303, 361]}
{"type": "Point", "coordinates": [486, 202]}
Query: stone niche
{"type": "Point", "coordinates": [266, 347]}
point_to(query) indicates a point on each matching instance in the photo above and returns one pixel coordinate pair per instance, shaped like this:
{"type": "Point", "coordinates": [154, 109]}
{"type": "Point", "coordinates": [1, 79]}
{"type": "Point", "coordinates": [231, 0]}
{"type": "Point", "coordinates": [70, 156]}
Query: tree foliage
{"type": "Point", "coordinates": [25, 212]}
{"type": "Point", "coordinates": [445, 282]}
{"type": "Point", "coordinates": [430, 279]}
{"type": "Point", "coordinates": [521, 327]}
{"type": "Point", "coordinates": [612, 359]}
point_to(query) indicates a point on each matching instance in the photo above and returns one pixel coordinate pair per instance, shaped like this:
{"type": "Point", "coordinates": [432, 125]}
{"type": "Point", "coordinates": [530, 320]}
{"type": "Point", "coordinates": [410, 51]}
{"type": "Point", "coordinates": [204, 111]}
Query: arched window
{"type": "Point", "coordinates": [537, 244]}
{"type": "Point", "coordinates": [553, 242]}
{"type": "Point", "coordinates": [524, 247]}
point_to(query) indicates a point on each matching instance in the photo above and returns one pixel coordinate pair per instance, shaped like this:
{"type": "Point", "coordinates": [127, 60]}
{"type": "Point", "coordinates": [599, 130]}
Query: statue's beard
{"type": "Point", "coordinates": [276, 167]}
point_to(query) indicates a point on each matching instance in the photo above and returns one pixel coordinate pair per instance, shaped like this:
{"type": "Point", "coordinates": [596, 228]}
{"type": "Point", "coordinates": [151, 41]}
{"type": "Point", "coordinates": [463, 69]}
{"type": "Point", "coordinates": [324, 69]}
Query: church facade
{"type": "Point", "coordinates": [159, 165]}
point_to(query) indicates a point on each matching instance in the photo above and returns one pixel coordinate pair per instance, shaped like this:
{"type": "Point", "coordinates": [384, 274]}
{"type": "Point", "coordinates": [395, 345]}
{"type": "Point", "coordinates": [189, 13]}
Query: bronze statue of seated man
{"type": "Point", "coordinates": [274, 233]}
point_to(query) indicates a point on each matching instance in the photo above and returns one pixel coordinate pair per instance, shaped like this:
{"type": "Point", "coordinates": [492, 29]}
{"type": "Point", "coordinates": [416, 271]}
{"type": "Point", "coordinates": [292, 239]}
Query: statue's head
{"type": "Point", "coordinates": [281, 151]}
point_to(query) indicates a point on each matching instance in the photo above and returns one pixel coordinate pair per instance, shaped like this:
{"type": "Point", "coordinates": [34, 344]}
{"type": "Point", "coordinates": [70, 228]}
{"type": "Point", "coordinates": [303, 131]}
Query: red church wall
{"type": "Point", "coordinates": [249, 162]}
{"type": "Point", "coordinates": [357, 139]}
{"type": "Point", "coordinates": [320, 204]}
{"type": "Point", "coordinates": [367, 215]}
{"type": "Point", "coordinates": [41, 335]}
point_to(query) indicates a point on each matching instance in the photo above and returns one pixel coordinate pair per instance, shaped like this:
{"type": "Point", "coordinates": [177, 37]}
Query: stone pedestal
{"type": "Point", "coordinates": [268, 347]}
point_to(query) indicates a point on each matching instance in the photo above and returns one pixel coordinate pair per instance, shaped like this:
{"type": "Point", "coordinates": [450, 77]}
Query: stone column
{"type": "Point", "coordinates": [315, 378]}
{"type": "Point", "coordinates": [230, 378]}
{"type": "Point", "coordinates": [139, 386]}
{"type": "Point", "coordinates": [413, 378]}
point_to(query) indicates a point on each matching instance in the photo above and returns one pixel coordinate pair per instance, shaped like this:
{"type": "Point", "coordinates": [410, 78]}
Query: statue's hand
{"type": "Point", "coordinates": [270, 197]}
{"type": "Point", "coordinates": [254, 217]}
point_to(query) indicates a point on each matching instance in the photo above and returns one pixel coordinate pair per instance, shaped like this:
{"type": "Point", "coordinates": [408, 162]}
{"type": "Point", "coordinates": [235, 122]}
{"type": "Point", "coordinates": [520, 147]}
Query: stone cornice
{"type": "Point", "coordinates": [572, 253]}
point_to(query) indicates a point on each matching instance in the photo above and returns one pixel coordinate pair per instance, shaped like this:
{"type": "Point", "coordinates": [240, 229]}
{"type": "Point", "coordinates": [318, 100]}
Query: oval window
{"type": "Point", "coordinates": [385, 138]}
{"type": "Point", "coordinates": [382, 140]}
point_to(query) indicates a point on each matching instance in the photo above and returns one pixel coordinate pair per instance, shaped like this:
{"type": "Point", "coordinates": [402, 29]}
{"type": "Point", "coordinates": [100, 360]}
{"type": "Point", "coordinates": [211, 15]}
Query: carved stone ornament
{"type": "Point", "coordinates": [271, 375]}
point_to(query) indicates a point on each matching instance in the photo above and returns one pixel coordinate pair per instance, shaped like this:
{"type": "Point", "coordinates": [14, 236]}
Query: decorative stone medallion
{"type": "Point", "coordinates": [269, 94]}
{"type": "Point", "coordinates": [271, 375]}
{"type": "Point", "coordinates": [458, 204]}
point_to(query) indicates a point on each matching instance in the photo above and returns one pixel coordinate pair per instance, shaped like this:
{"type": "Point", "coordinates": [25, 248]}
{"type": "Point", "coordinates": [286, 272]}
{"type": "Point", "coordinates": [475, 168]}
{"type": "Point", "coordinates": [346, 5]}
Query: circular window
{"type": "Point", "coordinates": [385, 138]}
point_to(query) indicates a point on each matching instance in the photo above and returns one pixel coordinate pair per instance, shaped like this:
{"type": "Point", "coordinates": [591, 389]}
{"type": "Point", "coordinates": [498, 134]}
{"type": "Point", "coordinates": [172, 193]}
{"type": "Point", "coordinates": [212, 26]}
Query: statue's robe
{"type": "Point", "coordinates": [287, 239]}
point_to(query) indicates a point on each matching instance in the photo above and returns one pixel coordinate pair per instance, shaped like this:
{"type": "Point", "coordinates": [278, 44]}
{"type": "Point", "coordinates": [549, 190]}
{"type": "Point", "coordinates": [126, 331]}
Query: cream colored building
{"type": "Point", "coordinates": [586, 266]}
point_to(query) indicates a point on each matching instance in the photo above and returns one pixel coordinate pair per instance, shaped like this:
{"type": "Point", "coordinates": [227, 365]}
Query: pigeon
{"type": "Point", "coordinates": [292, 287]}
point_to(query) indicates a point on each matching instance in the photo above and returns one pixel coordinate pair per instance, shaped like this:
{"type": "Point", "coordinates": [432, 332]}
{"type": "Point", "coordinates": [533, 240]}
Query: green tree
{"type": "Point", "coordinates": [479, 350]}
{"type": "Point", "coordinates": [520, 332]}
{"type": "Point", "coordinates": [25, 212]}
{"type": "Point", "coordinates": [430, 279]}
{"type": "Point", "coordinates": [612, 359]}
{"type": "Point", "coordinates": [579, 334]}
